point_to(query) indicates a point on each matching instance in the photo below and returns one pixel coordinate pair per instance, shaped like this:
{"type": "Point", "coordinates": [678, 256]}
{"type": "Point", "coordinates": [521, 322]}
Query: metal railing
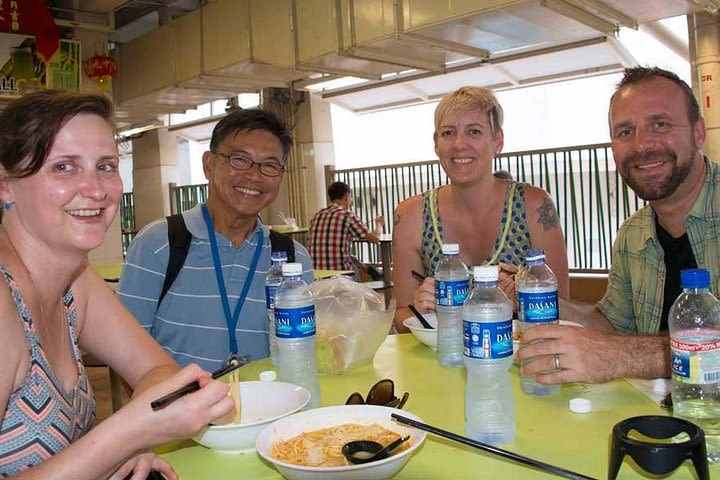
{"type": "Point", "coordinates": [590, 196]}
{"type": "Point", "coordinates": [127, 220]}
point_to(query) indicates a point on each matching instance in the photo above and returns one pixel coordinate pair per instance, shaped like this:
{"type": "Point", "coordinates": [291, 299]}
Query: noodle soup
{"type": "Point", "coordinates": [321, 422]}
{"type": "Point", "coordinates": [323, 447]}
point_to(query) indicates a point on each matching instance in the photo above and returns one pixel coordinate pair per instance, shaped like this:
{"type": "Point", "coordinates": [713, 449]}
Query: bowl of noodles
{"type": "Point", "coordinates": [307, 445]}
{"type": "Point", "coordinates": [260, 404]}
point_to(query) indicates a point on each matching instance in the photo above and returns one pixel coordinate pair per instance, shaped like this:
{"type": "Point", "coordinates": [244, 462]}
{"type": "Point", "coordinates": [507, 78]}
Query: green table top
{"type": "Point", "coordinates": [546, 429]}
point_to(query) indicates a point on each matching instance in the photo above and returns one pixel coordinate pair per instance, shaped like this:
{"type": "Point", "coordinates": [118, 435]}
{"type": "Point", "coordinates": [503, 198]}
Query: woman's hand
{"type": "Point", "coordinates": [140, 466]}
{"type": "Point", "coordinates": [506, 281]}
{"type": "Point", "coordinates": [183, 417]}
{"type": "Point", "coordinates": [424, 296]}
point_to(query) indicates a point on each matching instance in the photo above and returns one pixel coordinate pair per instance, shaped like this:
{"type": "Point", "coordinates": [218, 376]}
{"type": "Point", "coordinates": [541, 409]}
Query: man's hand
{"type": "Point", "coordinates": [591, 356]}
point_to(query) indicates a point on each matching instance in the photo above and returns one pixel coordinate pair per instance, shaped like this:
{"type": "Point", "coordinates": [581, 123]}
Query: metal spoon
{"type": "Point", "coordinates": [364, 451]}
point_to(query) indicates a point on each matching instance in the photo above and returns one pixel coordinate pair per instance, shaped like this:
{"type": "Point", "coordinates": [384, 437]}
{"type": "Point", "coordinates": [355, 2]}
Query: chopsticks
{"type": "Point", "coordinates": [489, 448]}
{"type": "Point", "coordinates": [195, 386]}
{"type": "Point", "coordinates": [420, 317]}
{"type": "Point", "coordinates": [417, 275]}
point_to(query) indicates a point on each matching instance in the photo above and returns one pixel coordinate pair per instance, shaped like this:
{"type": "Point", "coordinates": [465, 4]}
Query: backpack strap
{"type": "Point", "coordinates": [179, 243]}
{"type": "Point", "coordinates": [282, 243]}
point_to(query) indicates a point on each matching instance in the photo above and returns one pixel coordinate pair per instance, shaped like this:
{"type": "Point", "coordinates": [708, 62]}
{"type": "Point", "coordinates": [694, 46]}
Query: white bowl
{"type": "Point", "coordinates": [318, 418]}
{"type": "Point", "coordinates": [426, 336]}
{"type": "Point", "coordinates": [262, 403]}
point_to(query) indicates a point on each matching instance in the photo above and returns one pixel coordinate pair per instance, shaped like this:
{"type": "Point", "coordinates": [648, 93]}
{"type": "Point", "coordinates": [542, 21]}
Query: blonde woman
{"type": "Point", "coordinates": [492, 219]}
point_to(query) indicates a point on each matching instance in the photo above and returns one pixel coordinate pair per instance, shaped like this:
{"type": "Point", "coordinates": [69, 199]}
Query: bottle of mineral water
{"type": "Point", "coordinates": [537, 294]}
{"type": "Point", "coordinates": [488, 354]}
{"type": "Point", "coordinates": [272, 283]}
{"type": "Point", "coordinates": [451, 288]}
{"type": "Point", "coordinates": [694, 322]}
{"type": "Point", "coordinates": [295, 332]}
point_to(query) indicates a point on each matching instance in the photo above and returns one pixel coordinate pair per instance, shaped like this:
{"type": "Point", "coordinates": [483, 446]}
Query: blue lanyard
{"type": "Point", "coordinates": [231, 321]}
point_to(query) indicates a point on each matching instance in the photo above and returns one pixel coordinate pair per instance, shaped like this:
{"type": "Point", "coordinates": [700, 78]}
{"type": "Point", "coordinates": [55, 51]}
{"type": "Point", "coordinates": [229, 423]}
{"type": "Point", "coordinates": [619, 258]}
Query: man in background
{"type": "Point", "coordinates": [333, 229]}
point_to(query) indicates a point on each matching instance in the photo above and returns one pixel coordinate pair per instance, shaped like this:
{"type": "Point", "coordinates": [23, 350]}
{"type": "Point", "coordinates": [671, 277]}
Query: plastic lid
{"type": "Point", "coordinates": [292, 269]}
{"type": "Point", "coordinates": [485, 273]}
{"type": "Point", "coordinates": [450, 249]}
{"type": "Point", "coordinates": [277, 256]}
{"type": "Point", "coordinates": [268, 376]}
{"type": "Point", "coordinates": [695, 278]}
{"type": "Point", "coordinates": [534, 254]}
{"type": "Point", "coordinates": [580, 405]}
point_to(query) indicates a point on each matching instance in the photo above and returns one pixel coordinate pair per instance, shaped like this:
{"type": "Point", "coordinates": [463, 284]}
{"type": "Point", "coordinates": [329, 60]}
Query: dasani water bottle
{"type": "Point", "coordinates": [451, 288]}
{"type": "Point", "coordinates": [272, 283]}
{"type": "Point", "coordinates": [694, 322]}
{"type": "Point", "coordinates": [295, 332]}
{"type": "Point", "coordinates": [537, 293]}
{"type": "Point", "coordinates": [488, 354]}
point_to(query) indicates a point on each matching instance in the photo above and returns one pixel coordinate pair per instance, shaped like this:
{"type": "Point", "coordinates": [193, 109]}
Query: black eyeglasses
{"type": "Point", "coordinates": [270, 168]}
{"type": "Point", "coordinates": [382, 393]}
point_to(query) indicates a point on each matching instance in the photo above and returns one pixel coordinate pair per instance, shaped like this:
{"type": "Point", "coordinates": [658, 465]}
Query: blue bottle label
{"type": "Point", "coordinates": [295, 322]}
{"type": "Point", "coordinates": [538, 307]}
{"type": "Point", "coordinates": [451, 293]}
{"type": "Point", "coordinates": [487, 340]}
{"type": "Point", "coordinates": [270, 291]}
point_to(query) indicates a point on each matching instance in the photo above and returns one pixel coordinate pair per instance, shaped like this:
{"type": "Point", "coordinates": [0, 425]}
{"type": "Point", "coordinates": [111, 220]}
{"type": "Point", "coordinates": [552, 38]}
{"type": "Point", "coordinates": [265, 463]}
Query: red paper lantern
{"type": "Point", "coordinates": [102, 69]}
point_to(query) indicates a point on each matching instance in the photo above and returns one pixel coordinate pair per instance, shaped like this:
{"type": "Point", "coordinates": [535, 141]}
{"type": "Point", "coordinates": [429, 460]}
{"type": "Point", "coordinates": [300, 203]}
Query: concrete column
{"type": "Point", "coordinates": [704, 30]}
{"type": "Point", "coordinates": [155, 162]}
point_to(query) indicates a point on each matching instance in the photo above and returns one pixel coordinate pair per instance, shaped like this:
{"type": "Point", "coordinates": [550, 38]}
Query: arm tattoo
{"type": "Point", "coordinates": [396, 219]}
{"type": "Point", "coordinates": [548, 215]}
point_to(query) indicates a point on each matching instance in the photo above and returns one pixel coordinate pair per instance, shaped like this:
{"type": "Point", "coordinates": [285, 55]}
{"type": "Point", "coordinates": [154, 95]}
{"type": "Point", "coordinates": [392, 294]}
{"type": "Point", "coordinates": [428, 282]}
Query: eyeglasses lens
{"type": "Point", "coordinates": [382, 393]}
{"type": "Point", "coordinates": [355, 399]}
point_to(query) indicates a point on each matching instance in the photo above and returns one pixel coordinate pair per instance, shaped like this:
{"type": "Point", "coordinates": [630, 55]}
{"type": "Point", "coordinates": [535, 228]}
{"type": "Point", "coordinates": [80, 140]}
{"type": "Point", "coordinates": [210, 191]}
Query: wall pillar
{"type": "Point", "coordinates": [704, 32]}
{"type": "Point", "coordinates": [155, 155]}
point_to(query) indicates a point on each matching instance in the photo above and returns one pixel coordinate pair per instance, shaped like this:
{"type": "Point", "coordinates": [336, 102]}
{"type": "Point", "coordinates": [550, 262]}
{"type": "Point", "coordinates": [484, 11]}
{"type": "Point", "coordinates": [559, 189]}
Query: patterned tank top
{"type": "Point", "coordinates": [41, 418]}
{"type": "Point", "coordinates": [509, 247]}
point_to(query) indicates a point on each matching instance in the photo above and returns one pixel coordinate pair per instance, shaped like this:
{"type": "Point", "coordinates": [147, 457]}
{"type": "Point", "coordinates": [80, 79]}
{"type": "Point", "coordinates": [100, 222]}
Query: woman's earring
{"type": "Point", "coordinates": [7, 205]}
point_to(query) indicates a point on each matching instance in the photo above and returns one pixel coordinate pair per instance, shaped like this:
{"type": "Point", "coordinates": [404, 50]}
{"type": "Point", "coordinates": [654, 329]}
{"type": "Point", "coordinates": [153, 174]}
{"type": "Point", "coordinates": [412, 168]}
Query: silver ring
{"type": "Point", "coordinates": [556, 360]}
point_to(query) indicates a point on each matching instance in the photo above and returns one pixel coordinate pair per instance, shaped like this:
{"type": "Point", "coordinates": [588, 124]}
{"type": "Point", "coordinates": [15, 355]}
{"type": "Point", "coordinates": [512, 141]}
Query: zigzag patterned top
{"type": "Point", "coordinates": [41, 418]}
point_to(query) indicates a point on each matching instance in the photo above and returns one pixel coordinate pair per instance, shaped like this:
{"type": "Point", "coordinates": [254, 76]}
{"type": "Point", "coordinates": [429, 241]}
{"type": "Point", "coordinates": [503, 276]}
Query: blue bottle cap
{"type": "Point", "coordinates": [534, 255]}
{"type": "Point", "coordinates": [695, 278]}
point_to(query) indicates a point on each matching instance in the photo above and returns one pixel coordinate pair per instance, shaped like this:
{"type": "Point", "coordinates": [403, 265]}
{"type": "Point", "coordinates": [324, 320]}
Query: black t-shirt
{"type": "Point", "coordinates": [678, 256]}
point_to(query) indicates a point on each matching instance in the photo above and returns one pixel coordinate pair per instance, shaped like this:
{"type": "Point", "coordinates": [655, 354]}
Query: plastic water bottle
{"type": "Point", "coordinates": [295, 332]}
{"type": "Point", "coordinates": [537, 294]}
{"type": "Point", "coordinates": [694, 322]}
{"type": "Point", "coordinates": [488, 354]}
{"type": "Point", "coordinates": [272, 283]}
{"type": "Point", "coordinates": [451, 289]}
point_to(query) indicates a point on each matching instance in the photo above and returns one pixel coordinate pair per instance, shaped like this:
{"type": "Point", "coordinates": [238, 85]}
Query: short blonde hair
{"type": "Point", "coordinates": [468, 98]}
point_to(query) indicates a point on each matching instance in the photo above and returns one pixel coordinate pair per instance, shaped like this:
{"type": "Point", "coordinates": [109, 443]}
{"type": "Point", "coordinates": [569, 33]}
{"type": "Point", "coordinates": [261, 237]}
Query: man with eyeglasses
{"type": "Point", "coordinates": [216, 306]}
{"type": "Point", "coordinates": [333, 229]}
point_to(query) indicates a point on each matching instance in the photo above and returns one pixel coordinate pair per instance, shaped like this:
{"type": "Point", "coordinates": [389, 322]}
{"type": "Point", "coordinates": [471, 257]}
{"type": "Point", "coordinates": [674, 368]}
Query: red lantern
{"type": "Point", "coordinates": [102, 69]}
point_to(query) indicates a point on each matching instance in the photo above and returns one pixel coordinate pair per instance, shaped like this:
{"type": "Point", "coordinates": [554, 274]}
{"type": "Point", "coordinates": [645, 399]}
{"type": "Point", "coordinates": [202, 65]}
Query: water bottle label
{"type": "Point", "coordinates": [487, 340]}
{"type": "Point", "coordinates": [295, 322]}
{"type": "Point", "coordinates": [697, 363]}
{"type": "Point", "coordinates": [270, 291]}
{"type": "Point", "coordinates": [451, 293]}
{"type": "Point", "coordinates": [538, 307]}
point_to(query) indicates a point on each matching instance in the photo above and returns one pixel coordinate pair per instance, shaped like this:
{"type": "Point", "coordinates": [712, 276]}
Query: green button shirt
{"type": "Point", "coordinates": [633, 301]}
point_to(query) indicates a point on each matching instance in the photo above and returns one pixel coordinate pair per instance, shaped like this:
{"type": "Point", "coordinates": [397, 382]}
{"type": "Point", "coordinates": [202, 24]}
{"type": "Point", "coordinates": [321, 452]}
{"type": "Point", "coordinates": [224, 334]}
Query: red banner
{"type": "Point", "coordinates": [31, 17]}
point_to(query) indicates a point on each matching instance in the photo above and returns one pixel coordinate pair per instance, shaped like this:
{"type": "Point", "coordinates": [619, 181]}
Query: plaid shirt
{"type": "Point", "coordinates": [634, 298]}
{"type": "Point", "coordinates": [332, 231]}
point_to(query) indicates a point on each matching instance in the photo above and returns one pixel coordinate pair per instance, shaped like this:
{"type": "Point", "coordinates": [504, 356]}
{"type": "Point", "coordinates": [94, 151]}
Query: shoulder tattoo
{"type": "Point", "coordinates": [548, 215]}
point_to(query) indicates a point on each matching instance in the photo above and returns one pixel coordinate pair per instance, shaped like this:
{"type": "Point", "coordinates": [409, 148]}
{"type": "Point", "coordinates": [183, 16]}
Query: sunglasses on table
{"type": "Point", "coordinates": [382, 393]}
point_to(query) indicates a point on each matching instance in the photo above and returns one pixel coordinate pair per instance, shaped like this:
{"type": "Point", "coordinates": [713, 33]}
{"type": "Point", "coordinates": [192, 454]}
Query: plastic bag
{"type": "Point", "coordinates": [351, 323]}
